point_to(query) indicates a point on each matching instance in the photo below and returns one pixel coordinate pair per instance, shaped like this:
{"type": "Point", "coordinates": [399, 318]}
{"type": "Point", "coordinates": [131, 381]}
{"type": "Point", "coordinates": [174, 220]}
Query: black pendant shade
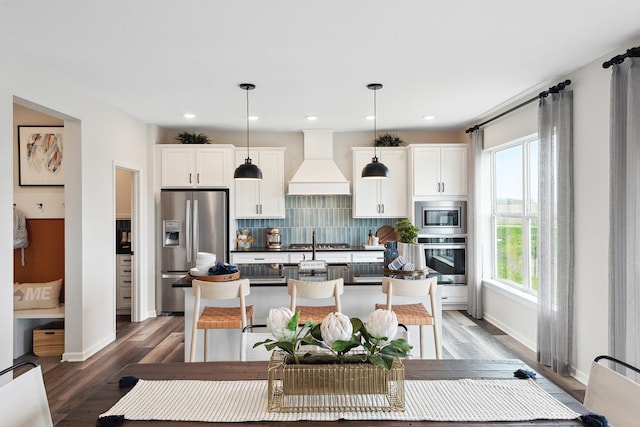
{"type": "Point", "coordinates": [247, 170]}
{"type": "Point", "coordinates": [375, 169]}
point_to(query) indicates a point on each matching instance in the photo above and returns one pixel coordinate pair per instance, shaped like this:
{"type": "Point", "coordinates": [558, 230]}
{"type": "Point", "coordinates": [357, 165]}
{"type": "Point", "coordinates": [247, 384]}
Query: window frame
{"type": "Point", "coordinates": [527, 217]}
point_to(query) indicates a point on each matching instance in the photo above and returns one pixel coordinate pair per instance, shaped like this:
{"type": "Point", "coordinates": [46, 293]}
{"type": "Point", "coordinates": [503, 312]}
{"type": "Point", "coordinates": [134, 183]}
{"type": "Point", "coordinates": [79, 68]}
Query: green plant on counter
{"type": "Point", "coordinates": [388, 140]}
{"type": "Point", "coordinates": [192, 138]}
{"type": "Point", "coordinates": [406, 232]}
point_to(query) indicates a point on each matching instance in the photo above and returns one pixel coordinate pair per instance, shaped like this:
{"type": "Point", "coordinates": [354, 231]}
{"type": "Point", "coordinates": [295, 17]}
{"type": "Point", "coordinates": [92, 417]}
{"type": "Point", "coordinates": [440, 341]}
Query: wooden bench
{"type": "Point", "coordinates": [25, 320]}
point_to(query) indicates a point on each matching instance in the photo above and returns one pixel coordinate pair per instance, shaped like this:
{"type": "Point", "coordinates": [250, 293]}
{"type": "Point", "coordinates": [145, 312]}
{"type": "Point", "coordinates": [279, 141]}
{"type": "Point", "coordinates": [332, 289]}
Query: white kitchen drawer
{"type": "Point", "coordinates": [339, 257]}
{"type": "Point", "coordinates": [454, 295]}
{"type": "Point", "coordinates": [368, 256]}
{"type": "Point", "coordinates": [124, 271]}
{"type": "Point", "coordinates": [259, 258]}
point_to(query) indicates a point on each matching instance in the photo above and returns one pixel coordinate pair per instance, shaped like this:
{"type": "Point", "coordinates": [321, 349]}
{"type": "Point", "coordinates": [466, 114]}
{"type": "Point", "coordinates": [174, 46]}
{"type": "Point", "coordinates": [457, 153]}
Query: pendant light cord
{"type": "Point", "coordinates": [375, 121]}
{"type": "Point", "coordinates": [247, 122]}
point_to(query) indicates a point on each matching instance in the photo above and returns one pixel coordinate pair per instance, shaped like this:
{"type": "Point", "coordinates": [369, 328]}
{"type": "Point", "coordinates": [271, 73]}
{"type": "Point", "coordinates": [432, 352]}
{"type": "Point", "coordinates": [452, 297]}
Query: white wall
{"type": "Point", "coordinates": [590, 85]}
{"type": "Point", "coordinates": [96, 136]}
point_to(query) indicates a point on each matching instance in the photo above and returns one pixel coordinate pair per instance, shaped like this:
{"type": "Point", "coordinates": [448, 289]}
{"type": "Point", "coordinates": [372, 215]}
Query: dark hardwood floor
{"type": "Point", "coordinates": [161, 339]}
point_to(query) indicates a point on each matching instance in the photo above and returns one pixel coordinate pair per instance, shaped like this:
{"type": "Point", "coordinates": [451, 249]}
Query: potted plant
{"type": "Point", "coordinates": [345, 356]}
{"type": "Point", "coordinates": [412, 252]}
{"type": "Point", "coordinates": [389, 140]}
{"type": "Point", "coordinates": [192, 138]}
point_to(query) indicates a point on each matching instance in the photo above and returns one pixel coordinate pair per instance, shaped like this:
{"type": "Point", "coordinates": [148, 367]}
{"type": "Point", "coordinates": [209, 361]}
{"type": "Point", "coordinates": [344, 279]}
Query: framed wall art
{"type": "Point", "coordinates": [40, 155]}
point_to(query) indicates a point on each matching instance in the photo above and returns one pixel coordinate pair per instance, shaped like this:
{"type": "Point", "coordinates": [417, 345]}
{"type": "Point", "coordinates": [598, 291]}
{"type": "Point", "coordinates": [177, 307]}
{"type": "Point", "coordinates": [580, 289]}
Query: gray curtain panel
{"type": "Point", "coordinates": [474, 262]}
{"type": "Point", "coordinates": [624, 213]}
{"type": "Point", "coordinates": [555, 238]}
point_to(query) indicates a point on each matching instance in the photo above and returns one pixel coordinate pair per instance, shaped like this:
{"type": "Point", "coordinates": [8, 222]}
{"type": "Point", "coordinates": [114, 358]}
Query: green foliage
{"type": "Point", "coordinates": [193, 138]}
{"type": "Point", "coordinates": [309, 334]}
{"type": "Point", "coordinates": [406, 232]}
{"type": "Point", "coordinates": [388, 140]}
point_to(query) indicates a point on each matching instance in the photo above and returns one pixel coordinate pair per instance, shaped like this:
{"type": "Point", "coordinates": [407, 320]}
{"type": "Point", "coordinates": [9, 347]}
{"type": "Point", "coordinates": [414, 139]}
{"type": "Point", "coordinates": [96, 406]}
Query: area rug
{"type": "Point", "coordinates": [241, 401]}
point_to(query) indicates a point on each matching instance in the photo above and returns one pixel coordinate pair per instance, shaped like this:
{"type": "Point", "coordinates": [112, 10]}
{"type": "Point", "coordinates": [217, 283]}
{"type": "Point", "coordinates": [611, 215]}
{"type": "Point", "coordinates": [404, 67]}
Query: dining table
{"type": "Point", "coordinates": [108, 394]}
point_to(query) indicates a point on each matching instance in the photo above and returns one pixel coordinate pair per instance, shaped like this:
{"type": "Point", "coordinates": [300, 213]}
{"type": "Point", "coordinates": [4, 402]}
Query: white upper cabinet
{"type": "Point", "coordinates": [186, 166]}
{"type": "Point", "coordinates": [380, 197]}
{"type": "Point", "coordinates": [439, 170]}
{"type": "Point", "coordinates": [261, 198]}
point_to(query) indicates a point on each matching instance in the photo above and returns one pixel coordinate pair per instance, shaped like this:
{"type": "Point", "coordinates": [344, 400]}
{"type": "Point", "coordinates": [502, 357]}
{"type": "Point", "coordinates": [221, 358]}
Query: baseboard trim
{"type": "Point", "coordinates": [84, 355]}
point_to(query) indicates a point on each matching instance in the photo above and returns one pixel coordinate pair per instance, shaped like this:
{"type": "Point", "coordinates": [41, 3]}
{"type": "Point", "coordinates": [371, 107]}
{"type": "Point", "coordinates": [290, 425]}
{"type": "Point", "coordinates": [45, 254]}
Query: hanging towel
{"type": "Point", "coordinates": [20, 235]}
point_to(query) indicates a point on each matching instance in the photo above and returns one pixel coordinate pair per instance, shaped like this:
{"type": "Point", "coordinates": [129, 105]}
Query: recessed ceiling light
{"type": "Point", "coordinates": [312, 118]}
{"type": "Point", "coordinates": [189, 115]}
{"type": "Point", "coordinates": [370, 117]}
{"type": "Point", "coordinates": [428, 117]}
{"type": "Point", "coordinates": [253, 118]}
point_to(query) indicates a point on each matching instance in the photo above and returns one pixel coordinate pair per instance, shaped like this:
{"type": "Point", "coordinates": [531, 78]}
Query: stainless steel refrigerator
{"type": "Point", "coordinates": [192, 221]}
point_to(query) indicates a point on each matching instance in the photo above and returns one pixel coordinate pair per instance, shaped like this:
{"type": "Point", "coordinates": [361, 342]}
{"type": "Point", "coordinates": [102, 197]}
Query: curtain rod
{"type": "Point", "coordinates": [553, 89]}
{"type": "Point", "coordinates": [634, 52]}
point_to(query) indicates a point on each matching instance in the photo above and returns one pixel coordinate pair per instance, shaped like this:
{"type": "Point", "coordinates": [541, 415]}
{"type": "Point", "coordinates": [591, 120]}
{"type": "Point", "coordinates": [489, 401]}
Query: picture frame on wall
{"type": "Point", "coordinates": [40, 156]}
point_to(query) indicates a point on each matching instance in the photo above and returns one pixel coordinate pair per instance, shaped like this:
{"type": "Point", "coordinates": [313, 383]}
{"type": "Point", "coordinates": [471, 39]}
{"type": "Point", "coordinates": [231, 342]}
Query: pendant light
{"type": "Point", "coordinates": [247, 170]}
{"type": "Point", "coordinates": [375, 169]}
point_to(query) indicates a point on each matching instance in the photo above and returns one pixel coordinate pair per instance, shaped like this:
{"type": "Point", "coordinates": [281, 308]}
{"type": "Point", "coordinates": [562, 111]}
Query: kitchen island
{"type": "Point", "coordinates": [269, 290]}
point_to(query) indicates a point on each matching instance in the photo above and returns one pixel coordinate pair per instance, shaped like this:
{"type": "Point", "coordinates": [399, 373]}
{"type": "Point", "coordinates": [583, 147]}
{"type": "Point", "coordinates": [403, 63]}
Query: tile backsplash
{"type": "Point", "coordinates": [329, 216]}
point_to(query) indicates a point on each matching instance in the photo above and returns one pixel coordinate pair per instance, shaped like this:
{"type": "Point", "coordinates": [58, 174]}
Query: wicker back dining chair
{"type": "Point", "coordinates": [315, 290]}
{"type": "Point", "coordinates": [417, 313]}
{"type": "Point", "coordinates": [218, 317]}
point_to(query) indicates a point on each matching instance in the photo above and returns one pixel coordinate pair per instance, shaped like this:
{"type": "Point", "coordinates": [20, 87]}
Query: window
{"type": "Point", "coordinates": [515, 214]}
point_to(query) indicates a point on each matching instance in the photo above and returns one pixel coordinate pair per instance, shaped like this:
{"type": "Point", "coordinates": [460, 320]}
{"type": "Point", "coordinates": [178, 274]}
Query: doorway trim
{"type": "Point", "coordinates": [138, 295]}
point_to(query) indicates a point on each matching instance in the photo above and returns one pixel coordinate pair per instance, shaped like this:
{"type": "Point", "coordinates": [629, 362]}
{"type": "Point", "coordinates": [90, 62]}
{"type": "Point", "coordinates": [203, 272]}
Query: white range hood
{"type": "Point", "coordinates": [318, 174]}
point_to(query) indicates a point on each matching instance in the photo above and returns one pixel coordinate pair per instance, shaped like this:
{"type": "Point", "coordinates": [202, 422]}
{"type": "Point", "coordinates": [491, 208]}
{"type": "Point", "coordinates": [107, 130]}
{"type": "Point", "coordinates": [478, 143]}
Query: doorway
{"type": "Point", "coordinates": [125, 244]}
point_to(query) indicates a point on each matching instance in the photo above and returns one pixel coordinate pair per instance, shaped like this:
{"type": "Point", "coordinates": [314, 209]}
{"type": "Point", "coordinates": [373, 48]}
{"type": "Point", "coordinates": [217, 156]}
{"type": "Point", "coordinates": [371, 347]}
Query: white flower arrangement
{"type": "Point", "coordinates": [346, 339]}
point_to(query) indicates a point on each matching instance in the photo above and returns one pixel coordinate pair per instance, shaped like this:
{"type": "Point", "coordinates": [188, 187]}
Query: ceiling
{"type": "Point", "coordinates": [455, 59]}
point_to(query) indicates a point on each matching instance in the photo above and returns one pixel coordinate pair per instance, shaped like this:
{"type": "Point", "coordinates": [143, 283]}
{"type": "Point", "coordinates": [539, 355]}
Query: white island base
{"type": "Point", "coordinates": [357, 301]}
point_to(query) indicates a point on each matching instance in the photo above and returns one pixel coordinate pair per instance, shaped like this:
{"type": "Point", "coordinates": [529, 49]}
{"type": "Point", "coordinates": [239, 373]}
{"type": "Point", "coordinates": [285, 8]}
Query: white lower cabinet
{"type": "Point", "coordinates": [259, 257]}
{"type": "Point", "coordinates": [454, 297]}
{"type": "Point", "coordinates": [123, 284]}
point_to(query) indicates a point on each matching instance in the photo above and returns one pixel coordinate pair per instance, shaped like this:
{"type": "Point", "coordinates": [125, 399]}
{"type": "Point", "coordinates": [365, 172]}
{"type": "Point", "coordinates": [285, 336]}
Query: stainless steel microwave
{"type": "Point", "coordinates": [441, 217]}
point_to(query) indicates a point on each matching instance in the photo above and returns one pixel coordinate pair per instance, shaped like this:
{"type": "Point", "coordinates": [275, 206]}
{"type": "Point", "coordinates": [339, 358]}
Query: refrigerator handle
{"type": "Point", "coordinates": [188, 230]}
{"type": "Point", "coordinates": [196, 228]}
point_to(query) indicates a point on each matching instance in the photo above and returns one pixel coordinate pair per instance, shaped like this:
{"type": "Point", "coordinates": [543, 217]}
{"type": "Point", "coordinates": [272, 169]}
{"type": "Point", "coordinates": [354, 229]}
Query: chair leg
{"type": "Point", "coordinates": [436, 341]}
{"type": "Point", "coordinates": [421, 341]}
{"type": "Point", "coordinates": [206, 345]}
{"type": "Point", "coordinates": [194, 335]}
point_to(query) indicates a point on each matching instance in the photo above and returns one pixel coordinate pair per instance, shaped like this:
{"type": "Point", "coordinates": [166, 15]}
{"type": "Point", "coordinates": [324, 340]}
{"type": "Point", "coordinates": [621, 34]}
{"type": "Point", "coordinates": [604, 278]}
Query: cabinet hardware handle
{"type": "Point", "coordinates": [443, 187]}
{"type": "Point", "coordinates": [382, 204]}
{"type": "Point", "coordinates": [257, 209]}
{"type": "Point", "coordinates": [198, 178]}
{"type": "Point", "coordinates": [261, 209]}
{"type": "Point", "coordinates": [189, 178]}
{"type": "Point", "coordinates": [126, 271]}
{"type": "Point", "coordinates": [127, 281]}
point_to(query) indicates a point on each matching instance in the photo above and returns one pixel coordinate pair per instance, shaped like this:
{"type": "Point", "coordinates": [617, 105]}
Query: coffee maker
{"type": "Point", "coordinates": [273, 238]}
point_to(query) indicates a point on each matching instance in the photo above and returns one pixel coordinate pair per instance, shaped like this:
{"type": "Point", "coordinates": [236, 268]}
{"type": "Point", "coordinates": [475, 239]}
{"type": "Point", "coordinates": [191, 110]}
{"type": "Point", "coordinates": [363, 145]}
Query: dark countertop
{"type": "Point", "coordinates": [286, 248]}
{"type": "Point", "coordinates": [353, 274]}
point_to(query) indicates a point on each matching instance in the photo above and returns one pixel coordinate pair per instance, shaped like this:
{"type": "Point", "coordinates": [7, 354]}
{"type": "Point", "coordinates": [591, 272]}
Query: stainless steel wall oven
{"type": "Point", "coordinates": [442, 234]}
{"type": "Point", "coordinates": [446, 258]}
